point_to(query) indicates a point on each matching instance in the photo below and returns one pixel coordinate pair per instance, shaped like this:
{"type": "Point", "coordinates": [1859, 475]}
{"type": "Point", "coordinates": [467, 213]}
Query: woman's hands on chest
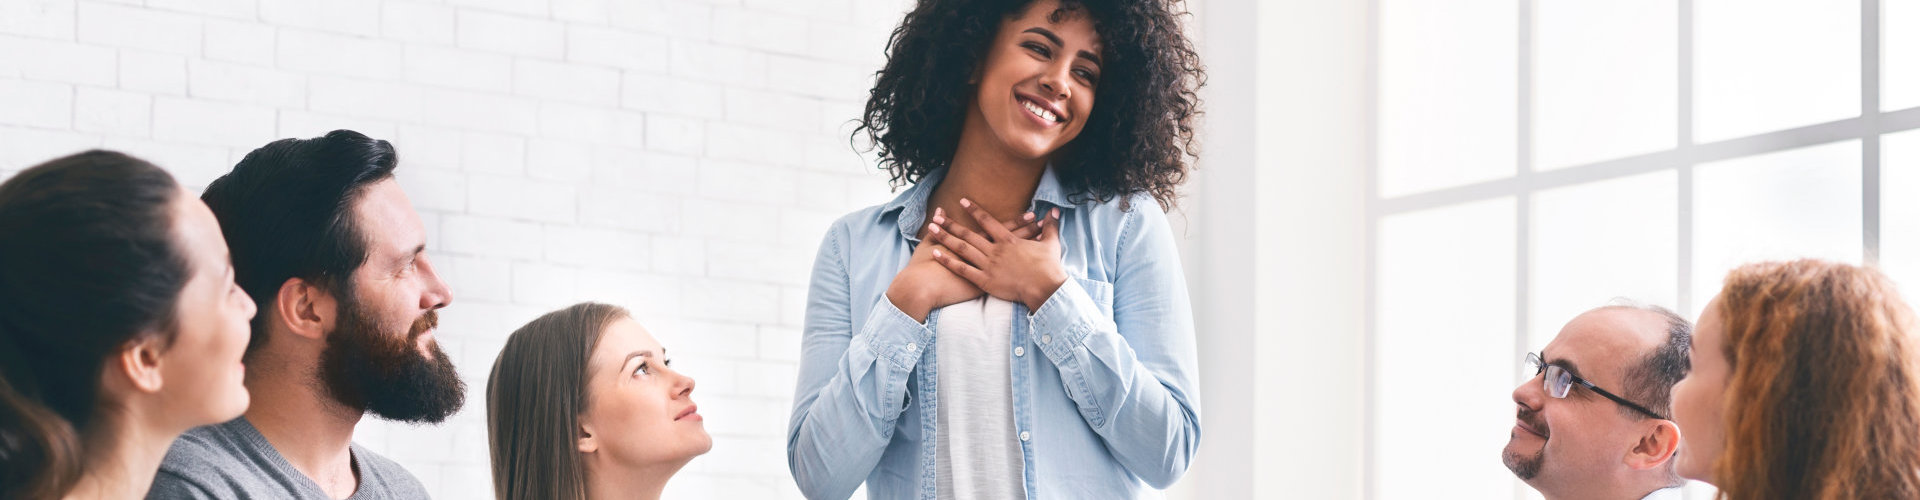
{"type": "Point", "coordinates": [1008, 264]}
{"type": "Point", "coordinates": [926, 284]}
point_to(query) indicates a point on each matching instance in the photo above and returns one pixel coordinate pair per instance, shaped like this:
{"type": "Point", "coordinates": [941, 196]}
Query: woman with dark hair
{"type": "Point", "coordinates": [1805, 386]}
{"type": "Point", "coordinates": [583, 404]}
{"type": "Point", "coordinates": [120, 326]}
{"type": "Point", "coordinates": [1016, 323]}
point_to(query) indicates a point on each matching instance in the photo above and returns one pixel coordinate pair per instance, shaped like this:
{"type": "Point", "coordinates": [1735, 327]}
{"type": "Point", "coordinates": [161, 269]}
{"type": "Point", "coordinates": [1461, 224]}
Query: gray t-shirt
{"type": "Point", "coordinates": [232, 461]}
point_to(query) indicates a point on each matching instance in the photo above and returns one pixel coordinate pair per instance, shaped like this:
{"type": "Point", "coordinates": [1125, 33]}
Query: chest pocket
{"type": "Point", "coordinates": [1102, 294]}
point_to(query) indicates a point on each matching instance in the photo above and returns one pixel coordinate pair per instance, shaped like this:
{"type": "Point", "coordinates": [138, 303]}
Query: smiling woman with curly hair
{"type": "Point", "coordinates": [1016, 323]}
{"type": "Point", "coordinates": [921, 100]}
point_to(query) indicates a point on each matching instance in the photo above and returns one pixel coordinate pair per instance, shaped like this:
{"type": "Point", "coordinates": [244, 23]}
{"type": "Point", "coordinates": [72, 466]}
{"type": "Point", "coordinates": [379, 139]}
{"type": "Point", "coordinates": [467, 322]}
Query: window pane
{"type": "Point", "coordinates": [1606, 80]}
{"type": "Point", "coordinates": [1447, 93]}
{"type": "Point", "coordinates": [1594, 242]}
{"type": "Point", "coordinates": [1444, 351]}
{"type": "Point", "coordinates": [1899, 54]}
{"type": "Point", "coordinates": [1798, 203]}
{"type": "Point", "coordinates": [1900, 211]}
{"type": "Point", "coordinates": [1765, 65]}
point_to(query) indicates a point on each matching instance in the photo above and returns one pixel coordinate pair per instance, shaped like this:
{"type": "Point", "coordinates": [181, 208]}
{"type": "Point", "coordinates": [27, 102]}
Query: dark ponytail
{"type": "Point", "coordinates": [88, 264]}
{"type": "Point", "coordinates": [39, 451]}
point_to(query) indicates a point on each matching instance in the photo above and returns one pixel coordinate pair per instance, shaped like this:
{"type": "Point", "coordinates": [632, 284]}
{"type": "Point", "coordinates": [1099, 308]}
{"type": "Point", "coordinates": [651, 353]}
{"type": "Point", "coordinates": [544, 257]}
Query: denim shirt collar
{"type": "Point", "coordinates": [910, 207]}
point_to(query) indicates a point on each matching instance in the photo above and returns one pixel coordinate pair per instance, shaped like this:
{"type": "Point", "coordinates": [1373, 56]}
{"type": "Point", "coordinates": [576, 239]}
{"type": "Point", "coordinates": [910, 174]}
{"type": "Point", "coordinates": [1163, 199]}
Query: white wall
{"type": "Point", "coordinates": [1312, 149]}
{"type": "Point", "coordinates": [678, 157]}
{"type": "Point", "coordinates": [1217, 248]}
{"type": "Point", "coordinates": [1276, 248]}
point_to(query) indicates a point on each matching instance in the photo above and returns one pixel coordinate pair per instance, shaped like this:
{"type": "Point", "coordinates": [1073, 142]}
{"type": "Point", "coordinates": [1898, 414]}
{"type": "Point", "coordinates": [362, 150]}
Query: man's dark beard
{"type": "Point", "coordinates": [1523, 466]}
{"type": "Point", "coordinates": [364, 366]}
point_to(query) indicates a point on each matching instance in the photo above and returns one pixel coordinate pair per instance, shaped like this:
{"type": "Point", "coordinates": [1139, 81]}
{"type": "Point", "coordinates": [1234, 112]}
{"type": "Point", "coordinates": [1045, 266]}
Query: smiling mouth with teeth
{"type": "Point", "coordinates": [1039, 111]}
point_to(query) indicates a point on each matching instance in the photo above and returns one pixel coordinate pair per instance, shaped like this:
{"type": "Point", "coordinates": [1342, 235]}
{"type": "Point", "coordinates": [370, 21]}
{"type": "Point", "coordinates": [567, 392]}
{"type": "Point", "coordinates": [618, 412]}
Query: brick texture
{"type": "Point", "coordinates": [677, 157]}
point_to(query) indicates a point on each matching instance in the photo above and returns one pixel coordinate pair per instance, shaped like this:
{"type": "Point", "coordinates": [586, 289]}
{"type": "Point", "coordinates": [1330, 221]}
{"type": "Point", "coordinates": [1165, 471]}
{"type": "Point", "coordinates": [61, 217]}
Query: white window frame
{"type": "Point", "coordinates": [1868, 128]}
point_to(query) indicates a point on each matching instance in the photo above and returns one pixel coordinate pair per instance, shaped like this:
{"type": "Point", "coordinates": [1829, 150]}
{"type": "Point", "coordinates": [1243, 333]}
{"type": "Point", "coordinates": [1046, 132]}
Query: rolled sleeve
{"type": "Point", "coordinates": [1066, 319]}
{"type": "Point", "coordinates": [896, 337]}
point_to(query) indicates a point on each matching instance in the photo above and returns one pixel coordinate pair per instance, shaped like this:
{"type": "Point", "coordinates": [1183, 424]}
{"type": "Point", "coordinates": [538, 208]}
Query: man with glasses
{"type": "Point", "coordinates": [1593, 422]}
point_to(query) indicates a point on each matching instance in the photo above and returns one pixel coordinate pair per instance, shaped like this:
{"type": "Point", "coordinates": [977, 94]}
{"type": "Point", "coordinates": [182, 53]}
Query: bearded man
{"type": "Point", "coordinates": [333, 253]}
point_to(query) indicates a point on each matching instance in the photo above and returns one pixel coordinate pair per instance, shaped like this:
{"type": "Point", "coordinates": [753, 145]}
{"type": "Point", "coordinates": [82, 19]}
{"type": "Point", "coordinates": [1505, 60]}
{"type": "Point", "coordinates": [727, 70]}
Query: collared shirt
{"type": "Point", "coordinates": [1673, 493]}
{"type": "Point", "coordinates": [1104, 377]}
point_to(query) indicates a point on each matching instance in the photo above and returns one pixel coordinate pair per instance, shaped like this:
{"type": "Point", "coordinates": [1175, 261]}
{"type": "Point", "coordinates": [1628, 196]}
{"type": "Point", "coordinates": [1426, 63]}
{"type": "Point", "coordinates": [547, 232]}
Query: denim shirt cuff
{"type": "Point", "coordinates": [1065, 320]}
{"type": "Point", "coordinates": [896, 337]}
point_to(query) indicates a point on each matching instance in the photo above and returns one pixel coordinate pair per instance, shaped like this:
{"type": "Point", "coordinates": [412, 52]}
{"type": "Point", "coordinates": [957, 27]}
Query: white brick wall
{"type": "Point", "coordinates": [678, 157]}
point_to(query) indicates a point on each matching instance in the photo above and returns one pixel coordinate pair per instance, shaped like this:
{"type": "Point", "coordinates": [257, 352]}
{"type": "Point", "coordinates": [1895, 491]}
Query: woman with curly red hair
{"type": "Point", "coordinates": [1016, 323]}
{"type": "Point", "coordinates": [1805, 386]}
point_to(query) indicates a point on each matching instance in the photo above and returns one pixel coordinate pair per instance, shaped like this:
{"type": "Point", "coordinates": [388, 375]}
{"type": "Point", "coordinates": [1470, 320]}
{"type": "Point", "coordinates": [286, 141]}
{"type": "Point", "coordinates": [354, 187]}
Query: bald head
{"type": "Point", "coordinates": [1615, 330]}
{"type": "Point", "coordinates": [1649, 344]}
{"type": "Point", "coordinates": [1592, 443]}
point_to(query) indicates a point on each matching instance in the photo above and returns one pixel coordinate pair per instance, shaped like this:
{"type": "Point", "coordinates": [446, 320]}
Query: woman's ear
{"type": "Point", "coordinates": [140, 362]}
{"type": "Point", "coordinates": [587, 442]}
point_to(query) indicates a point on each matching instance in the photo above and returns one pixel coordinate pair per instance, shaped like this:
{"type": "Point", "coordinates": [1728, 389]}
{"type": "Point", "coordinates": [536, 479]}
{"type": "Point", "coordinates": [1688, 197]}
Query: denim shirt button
{"type": "Point", "coordinates": [1019, 351]}
{"type": "Point", "coordinates": [1024, 436]}
{"type": "Point", "coordinates": [912, 347]}
{"type": "Point", "coordinates": [1045, 339]}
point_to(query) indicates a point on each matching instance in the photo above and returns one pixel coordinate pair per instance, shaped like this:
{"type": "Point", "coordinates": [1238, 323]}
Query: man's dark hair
{"type": "Point", "coordinates": [1650, 381]}
{"type": "Point", "coordinates": [287, 211]}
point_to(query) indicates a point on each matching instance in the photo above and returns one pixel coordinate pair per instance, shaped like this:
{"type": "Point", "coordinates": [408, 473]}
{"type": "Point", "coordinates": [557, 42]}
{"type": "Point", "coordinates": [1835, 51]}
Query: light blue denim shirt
{"type": "Point", "coordinates": [1105, 396]}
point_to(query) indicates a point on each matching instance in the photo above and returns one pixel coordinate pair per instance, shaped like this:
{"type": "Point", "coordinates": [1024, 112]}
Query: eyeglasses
{"type": "Point", "coordinates": [1559, 381]}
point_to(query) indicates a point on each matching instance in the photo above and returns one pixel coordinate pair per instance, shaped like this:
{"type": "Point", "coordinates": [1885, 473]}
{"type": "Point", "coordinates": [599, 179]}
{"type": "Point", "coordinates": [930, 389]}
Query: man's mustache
{"type": "Point", "coordinates": [1533, 421]}
{"type": "Point", "coordinates": [427, 322]}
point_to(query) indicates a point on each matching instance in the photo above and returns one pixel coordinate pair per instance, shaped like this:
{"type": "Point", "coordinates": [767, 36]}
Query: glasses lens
{"type": "Point", "coordinates": [1558, 381]}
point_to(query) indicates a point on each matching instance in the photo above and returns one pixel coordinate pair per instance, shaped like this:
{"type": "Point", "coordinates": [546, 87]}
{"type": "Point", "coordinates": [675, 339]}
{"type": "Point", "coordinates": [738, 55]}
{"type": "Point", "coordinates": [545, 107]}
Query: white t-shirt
{"type": "Point", "coordinates": [979, 451]}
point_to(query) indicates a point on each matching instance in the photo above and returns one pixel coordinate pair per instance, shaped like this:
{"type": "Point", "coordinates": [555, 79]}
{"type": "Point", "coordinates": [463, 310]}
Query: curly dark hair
{"type": "Point", "coordinates": [1138, 138]}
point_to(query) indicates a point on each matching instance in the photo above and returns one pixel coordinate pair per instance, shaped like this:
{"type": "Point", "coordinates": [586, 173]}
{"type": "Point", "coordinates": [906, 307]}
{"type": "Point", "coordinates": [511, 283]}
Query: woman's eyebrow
{"type": "Point", "coordinates": [1059, 43]}
{"type": "Point", "coordinates": [1090, 57]}
{"type": "Point", "coordinates": [1046, 33]}
{"type": "Point", "coordinates": [643, 354]}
